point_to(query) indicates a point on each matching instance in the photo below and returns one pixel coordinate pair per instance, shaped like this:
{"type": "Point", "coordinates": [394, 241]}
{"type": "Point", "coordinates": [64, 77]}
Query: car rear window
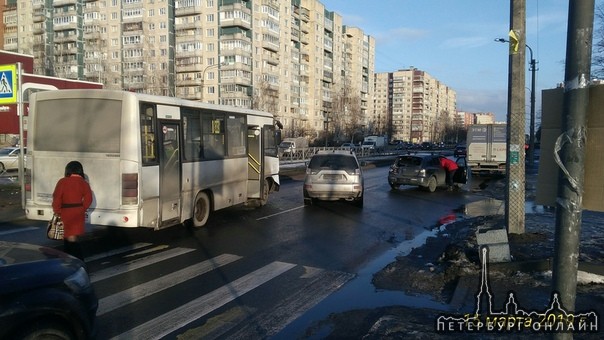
{"type": "Point", "coordinates": [409, 161]}
{"type": "Point", "coordinates": [333, 162]}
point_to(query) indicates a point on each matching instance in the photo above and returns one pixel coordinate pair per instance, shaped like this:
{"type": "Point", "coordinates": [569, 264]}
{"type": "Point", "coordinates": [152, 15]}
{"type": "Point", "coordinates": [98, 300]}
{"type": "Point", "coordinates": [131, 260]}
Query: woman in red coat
{"type": "Point", "coordinates": [70, 200]}
{"type": "Point", "coordinates": [450, 167]}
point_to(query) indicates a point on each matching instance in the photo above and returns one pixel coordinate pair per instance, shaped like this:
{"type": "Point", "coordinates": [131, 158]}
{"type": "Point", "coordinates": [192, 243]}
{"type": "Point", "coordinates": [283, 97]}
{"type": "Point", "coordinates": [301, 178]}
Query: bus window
{"type": "Point", "coordinates": [213, 135]}
{"type": "Point", "coordinates": [193, 149]}
{"type": "Point", "coordinates": [148, 140]}
{"type": "Point", "coordinates": [236, 129]}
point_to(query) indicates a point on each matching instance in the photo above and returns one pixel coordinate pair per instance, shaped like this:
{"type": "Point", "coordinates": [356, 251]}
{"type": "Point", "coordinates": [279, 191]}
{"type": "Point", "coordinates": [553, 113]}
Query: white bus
{"type": "Point", "coordinates": [151, 161]}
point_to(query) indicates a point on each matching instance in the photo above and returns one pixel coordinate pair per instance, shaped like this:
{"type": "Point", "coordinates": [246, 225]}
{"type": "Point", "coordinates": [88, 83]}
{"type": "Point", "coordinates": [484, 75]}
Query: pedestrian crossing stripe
{"type": "Point", "coordinates": [8, 84]}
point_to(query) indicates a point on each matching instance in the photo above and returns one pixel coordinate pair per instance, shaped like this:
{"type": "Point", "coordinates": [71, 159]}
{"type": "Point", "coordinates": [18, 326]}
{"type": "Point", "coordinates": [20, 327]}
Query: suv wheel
{"type": "Point", "coordinates": [431, 184]}
{"type": "Point", "coordinates": [46, 330]}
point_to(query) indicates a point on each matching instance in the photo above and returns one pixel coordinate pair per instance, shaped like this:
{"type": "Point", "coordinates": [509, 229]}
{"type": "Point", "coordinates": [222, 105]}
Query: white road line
{"type": "Point", "coordinates": [116, 251]}
{"type": "Point", "coordinates": [138, 263]}
{"type": "Point", "coordinates": [20, 230]}
{"type": "Point", "coordinates": [279, 213]}
{"type": "Point", "coordinates": [141, 291]}
{"type": "Point", "coordinates": [177, 318]}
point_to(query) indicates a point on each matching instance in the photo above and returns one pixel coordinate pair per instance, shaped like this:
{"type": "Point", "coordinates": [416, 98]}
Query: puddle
{"type": "Point", "coordinates": [360, 293]}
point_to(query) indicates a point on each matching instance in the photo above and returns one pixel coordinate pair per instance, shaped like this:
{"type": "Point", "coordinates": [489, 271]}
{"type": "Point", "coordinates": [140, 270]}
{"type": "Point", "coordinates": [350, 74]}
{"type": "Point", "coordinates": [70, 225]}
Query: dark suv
{"type": "Point", "coordinates": [44, 294]}
{"type": "Point", "coordinates": [423, 170]}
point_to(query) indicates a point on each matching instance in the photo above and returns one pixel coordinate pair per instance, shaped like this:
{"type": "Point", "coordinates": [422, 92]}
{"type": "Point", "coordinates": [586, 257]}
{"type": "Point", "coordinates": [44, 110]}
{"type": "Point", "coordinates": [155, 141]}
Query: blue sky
{"type": "Point", "coordinates": [453, 40]}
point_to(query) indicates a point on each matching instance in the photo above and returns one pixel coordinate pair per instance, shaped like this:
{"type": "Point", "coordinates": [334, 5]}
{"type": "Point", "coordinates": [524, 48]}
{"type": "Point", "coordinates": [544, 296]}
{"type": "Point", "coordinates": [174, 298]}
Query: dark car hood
{"type": "Point", "coordinates": [20, 262]}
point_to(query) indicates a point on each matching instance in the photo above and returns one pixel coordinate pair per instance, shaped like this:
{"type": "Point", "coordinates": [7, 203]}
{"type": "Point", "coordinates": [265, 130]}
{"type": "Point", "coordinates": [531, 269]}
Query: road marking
{"type": "Point", "coordinates": [178, 318]}
{"type": "Point", "coordinates": [116, 251]}
{"type": "Point", "coordinates": [138, 263]}
{"type": "Point", "coordinates": [270, 322]}
{"type": "Point", "coordinates": [141, 291]}
{"type": "Point", "coordinates": [20, 230]}
{"type": "Point", "coordinates": [279, 213]}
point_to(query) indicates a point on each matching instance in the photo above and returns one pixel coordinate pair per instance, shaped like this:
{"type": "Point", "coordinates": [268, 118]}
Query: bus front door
{"type": "Point", "coordinates": [255, 175]}
{"type": "Point", "coordinates": [169, 175]}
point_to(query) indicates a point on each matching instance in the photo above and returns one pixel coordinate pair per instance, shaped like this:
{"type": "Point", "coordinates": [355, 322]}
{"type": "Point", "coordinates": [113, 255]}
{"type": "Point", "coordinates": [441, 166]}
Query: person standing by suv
{"type": "Point", "coordinates": [450, 167]}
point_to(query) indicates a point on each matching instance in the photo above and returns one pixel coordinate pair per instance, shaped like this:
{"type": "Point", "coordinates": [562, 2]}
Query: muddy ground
{"type": "Point", "coordinates": [448, 269]}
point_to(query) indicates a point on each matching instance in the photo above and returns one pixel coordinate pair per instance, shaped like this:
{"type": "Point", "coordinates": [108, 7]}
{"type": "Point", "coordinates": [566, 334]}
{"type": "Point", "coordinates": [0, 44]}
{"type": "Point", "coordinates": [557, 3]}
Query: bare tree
{"type": "Point", "coordinates": [265, 97]}
{"type": "Point", "coordinates": [346, 117]}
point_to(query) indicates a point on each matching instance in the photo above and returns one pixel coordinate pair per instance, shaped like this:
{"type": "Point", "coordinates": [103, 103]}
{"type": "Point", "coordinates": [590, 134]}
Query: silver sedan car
{"type": "Point", "coordinates": [9, 158]}
{"type": "Point", "coordinates": [333, 175]}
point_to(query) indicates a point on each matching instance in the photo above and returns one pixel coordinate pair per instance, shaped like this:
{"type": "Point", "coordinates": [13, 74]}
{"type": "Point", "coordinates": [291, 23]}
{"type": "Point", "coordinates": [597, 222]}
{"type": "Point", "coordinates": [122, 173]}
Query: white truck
{"type": "Point", "coordinates": [374, 143]}
{"type": "Point", "coordinates": [292, 146]}
{"type": "Point", "coordinates": [486, 148]}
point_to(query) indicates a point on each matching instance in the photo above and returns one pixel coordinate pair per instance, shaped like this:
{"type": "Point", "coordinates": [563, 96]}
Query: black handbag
{"type": "Point", "coordinates": [54, 230]}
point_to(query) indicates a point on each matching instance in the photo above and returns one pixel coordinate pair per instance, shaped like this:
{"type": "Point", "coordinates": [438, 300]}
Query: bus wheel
{"type": "Point", "coordinates": [201, 210]}
{"type": "Point", "coordinates": [264, 194]}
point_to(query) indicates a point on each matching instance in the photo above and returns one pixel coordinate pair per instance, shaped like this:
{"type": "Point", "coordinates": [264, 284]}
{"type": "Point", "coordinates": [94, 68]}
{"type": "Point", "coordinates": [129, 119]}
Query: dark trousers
{"type": "Point", "coordinates": [73, 249]}
{"type": "Point", "coordinates": [450, 176]}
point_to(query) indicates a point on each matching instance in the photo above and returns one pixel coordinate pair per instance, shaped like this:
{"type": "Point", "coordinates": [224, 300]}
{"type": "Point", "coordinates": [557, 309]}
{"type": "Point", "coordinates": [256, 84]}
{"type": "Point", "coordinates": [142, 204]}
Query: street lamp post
{"type": "Point", "coordinates": [533, 69]}
{"type": "Point", "coordinates": [203, 78]}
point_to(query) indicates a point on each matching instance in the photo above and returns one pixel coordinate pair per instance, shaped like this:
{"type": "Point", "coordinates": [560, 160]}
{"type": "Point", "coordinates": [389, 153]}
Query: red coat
{"type": "Point", "coordinates": [448, 164]}
{"type": "Point", "coordinates": [71, 198]}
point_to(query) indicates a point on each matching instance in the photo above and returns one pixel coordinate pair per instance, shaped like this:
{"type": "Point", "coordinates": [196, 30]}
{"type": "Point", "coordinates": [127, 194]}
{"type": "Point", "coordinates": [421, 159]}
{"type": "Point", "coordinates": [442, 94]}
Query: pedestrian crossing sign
{"type": "Point", "coordinates": [8, 84]}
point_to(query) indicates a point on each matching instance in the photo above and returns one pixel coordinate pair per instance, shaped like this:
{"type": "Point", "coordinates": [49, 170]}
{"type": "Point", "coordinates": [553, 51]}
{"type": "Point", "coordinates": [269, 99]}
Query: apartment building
{"type": "Point", "coordinates": [293, 58]}
{"type": "Point", "coordinates": [413, 105]}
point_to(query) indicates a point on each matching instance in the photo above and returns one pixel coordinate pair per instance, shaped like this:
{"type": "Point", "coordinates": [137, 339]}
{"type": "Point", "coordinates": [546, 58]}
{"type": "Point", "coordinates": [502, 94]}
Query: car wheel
{"type": "Point", "coordinates": [359, 202]}
{"type": "Point", "coordinates": [431, 184]}
{"type": "Point", "coordinates": [2, 168]}
{"type": "Point", "coordinates": [201, 209]}
{"type": "Point", "coordinates": [394, 186]}
{"type": "Point", "coordinates": [46, 330]}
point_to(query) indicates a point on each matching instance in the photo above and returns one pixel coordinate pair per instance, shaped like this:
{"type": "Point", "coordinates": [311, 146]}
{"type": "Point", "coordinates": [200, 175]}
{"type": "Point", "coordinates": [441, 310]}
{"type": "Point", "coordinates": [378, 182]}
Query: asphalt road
{"type": "Point", "coordinates": [250, 272]}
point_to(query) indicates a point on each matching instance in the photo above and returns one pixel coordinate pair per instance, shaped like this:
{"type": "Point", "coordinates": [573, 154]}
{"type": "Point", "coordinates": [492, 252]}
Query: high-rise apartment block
{"type": "Point", "coordinates": [293, 58]}
{"type": "Point", "coordinates": [411, 105]}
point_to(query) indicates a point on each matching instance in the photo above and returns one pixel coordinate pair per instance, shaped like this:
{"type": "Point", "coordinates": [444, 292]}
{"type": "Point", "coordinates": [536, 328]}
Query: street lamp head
{"type": "Point", "coordinates": [501, 40]}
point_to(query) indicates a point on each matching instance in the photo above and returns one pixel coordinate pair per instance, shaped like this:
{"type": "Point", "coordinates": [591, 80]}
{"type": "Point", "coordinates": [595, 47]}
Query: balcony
{"type": "Point", "coordinates": [188, 10]}
{"type": "Point", "coordinates": [189, 25]}
{"type": "Point", "coordinates": [60, 3]}
{"type": "Point", "coordinates": [238, 22]}
{"type": "Point", "coordinates": [189, 53]}
{"type": "Point", "coordinates": [270, 46]}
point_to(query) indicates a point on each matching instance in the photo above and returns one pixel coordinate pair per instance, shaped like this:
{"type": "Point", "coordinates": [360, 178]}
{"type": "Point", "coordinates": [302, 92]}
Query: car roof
{"type": "Point", "coordinates": [421, 155]}
{"type": "Point", "coordinates": [336, 152]}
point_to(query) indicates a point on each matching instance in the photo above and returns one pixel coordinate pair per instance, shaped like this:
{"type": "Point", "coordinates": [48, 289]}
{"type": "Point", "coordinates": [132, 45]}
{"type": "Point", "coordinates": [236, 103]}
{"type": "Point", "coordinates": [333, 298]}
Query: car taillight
{"type": "Point", "coordinates": [422, 172]}
{"type": "Point", "coordinates": [129, 188]}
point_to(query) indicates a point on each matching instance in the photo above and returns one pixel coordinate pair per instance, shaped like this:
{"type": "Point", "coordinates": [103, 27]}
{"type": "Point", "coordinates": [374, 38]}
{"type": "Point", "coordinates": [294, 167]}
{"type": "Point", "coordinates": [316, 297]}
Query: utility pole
{"type": "Point", "coordinates": [574, 126]}
{"type": "Point", "coordinates": [515, 168]}
{"type": "Point", "coordinates": [531, 150]}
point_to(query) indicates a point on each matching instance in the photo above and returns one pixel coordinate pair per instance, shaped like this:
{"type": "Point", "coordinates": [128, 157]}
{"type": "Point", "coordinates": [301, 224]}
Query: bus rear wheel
{"type": "Point", "coordinates": [201, 210]}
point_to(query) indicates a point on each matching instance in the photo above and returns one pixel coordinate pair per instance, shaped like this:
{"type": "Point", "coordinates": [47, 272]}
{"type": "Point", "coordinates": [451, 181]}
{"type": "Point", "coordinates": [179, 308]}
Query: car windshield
{"type": "Point", "coordinates": [333, 162]}
{"type": "Point", "coordinates": [5, 152]}
{"type": "Point", "coordinates": [409, 161]}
